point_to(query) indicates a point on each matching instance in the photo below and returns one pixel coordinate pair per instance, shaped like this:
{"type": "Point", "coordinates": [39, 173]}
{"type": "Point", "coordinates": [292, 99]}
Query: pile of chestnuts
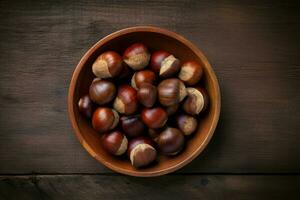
{"type": "Point", "coordinates": [144, 104]}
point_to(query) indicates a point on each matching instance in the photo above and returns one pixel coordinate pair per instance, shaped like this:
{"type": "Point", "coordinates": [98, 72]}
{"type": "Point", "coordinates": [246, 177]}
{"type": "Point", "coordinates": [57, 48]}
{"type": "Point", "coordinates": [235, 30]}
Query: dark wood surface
{"type": "Point", "coordinates": [253, 46]}
{"type": "Point", "coordinates": [166, 187]}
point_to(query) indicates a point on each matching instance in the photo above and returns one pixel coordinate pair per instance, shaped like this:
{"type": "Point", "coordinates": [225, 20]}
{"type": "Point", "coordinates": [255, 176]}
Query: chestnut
{"type": "Point", "coordinates": [171, 91]}
{"type": "Point", "coordinates": [102, 91]}
{"type": "Point", "coordinates": [171, 110]}
{"type": "Point", "coordinates": [145, 76]}
{"type": "Point", "coordinates": [186, 123]}
{"type": "Point", "coordinates": [170, 141]}
{"type": "Point", "coordinates": [197, 101]}
{"type": "Point", "coordinates": [132, 125]}
{"type": "Point", "coordinates": [156, 59]}
{"type": "Point", "coordinates": [85, 106]}
{"type": "Point", "coordinates": [147, 94]}
{"type": "Point", "coordinates": [154, 117]}
{"type": "Point", "coordinates": [126, 101]}
{"type": "Point", "coordinates": [190, 72]}
{"type": "Point", "coordinates": [105, 119]}
{"type": "Point", "coordinates": [114, 143]}
{"type": "Point", "coordinates": [108, 64]}
{"type": "Point", "coordinates": [165, 64]}
{"type": "Point", "coordinates": [141, 152]}
{"type": "Point", "coordinates": [136, 56]}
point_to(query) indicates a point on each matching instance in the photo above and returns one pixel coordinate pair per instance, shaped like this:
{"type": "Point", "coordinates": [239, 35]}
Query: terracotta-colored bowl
{"type": "Point", "coordinates": [156, 39]}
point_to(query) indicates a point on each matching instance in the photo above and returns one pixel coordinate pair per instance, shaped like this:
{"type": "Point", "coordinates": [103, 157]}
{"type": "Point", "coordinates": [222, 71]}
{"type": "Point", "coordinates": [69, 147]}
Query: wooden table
{"type": "Point", "coordinates": [254, 48]}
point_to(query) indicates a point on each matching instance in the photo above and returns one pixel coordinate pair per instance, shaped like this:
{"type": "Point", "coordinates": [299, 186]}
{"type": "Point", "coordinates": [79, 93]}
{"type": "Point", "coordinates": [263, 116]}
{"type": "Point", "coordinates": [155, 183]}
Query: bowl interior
{"type": "Point", "coordinates": [181, 49]}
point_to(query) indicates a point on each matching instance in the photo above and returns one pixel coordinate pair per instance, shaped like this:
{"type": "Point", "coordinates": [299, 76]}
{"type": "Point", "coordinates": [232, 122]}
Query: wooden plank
{"type": "Point", "coordinates": [166, 187]}
{"type": "Point", "coordinates": [253, 46]}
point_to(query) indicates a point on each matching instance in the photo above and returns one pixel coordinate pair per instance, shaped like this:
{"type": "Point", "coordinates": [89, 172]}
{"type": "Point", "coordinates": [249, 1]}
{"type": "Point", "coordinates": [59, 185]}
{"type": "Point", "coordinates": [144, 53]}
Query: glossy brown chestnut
{"type": "Point", "coordinates": [171, 91]}
{"type": "Point", "coordinates": [165, 64]}
{"type": "Point", "coordinates": [141, 152]}
{"type": "Point", "coordinates": [170, 141]}
{"type": "Point", "coordinates": [104, 119]}
{"type": "Point", "coordinates": [190, 72]}
{"type": "Point", "coordinates": [132, 125]}
{"type": "Point", "coordinates": [115, 143]}
{"type": "Point", "coordinates": [147, 95]}
{"type": "Point", "coordinates": [171, 110]}
{"type": "Point", "coordinates": [102, 91]}
{"type": "Point", "coordinates": [126, 101]}
{"type": "Point", "coordinates": [85, 106]}
{"type": "Point", "coordinates": [196, 102]}
{"type": "Point", "coordinates": [108, 64]}
{"type": "Point", "coordinates": [136, 56]}
{"type": "Point", "coordinates": [154, 117]}
{"type": "Point", "coordinates": [186, 123]}
{"type": "Point", "coordinates": [140, 77]}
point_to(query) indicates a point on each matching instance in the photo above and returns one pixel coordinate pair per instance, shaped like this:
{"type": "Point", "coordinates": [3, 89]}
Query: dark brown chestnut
{"type": "Point", "coordinates": [115, 143]}
{"type": "Point", "coordinates": [171, 91]}
{"type": "Point", "coordinates": [136, 56]}
{"type": "Point", "coordinates": [141, 152]}
{"type": "Point", "coordinates": [154, 117]}
{"type": "Point", "coordinates": [190, 72]}
{"type": "Point", "coordinates": [85, 106]}
{"type": "Point", "coordinates": [140, 77]}
{"type": "Point", "coordinates": [105, 119]}
{"type": "Point", "coordinates": [132, 125]}
{"type": "Point", "coordinates": [126, 101]}
{"type": "Point", "coordinates": [165, 64]}
{"type": "Point", "coordinates": [186, 123]}
{"type": "Point", "coordinates": [196, 102]}
{"type": "Point", "coordinates": [108, 64]}
{"type": "Point", "coordinates": [147, 95]}
{"type": "Point", "coordinates": [102, 91]}
{"type": "Point", "coordinates": [170, 141]}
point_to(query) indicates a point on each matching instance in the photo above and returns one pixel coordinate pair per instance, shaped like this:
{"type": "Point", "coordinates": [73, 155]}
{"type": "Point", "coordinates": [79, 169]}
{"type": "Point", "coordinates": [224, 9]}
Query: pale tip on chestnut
{"type": "Point", "coordinates": [182, 91]}
{"type": "Point", "coordinates": [100, 68]}
{"type": "Point", "coordinates": [139, 61]}
{"type": "Point", "coordinates": [142, 155]}
{"type": "Point", "coordinates": [191, 72]}
{"type": "Point", "coordinates": [137, 56]}
{"type": "Point", "coordinates": [199, 104]}
{"type": "Point", "coordinates": [108, 64]}
{"type": "Point", "coordinates": [119, 105]}
{"type": "Point", "coordinates": [169, 66]}
{"type": "Point", "coordinates": [116, 119]}
{"type": "Point", "coordinates": [133, 82]}
{"type": "Point", "coordinates": [123, 147]}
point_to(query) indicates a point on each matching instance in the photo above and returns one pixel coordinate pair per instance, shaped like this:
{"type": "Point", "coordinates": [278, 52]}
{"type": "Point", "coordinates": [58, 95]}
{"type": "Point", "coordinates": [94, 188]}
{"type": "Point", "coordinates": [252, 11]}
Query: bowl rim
{"type": "Point", "coordinates": [168, 33]}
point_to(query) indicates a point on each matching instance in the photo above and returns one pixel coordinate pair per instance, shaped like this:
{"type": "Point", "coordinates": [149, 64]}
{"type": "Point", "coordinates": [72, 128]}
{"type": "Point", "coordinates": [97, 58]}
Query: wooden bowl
{"type": "Point", "coordinates": [156, 39]}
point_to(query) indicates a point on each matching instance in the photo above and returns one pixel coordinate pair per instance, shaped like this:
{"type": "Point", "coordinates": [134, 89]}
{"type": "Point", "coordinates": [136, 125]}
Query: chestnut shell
{"type": "Point", "coordinates": [86, 106]}
{"type": "Point", "coordinates": [132, 125]}
{"type": "Point", "coordinates": [102, 91]}
{"type": "Point", "coordinates": [170, 141]}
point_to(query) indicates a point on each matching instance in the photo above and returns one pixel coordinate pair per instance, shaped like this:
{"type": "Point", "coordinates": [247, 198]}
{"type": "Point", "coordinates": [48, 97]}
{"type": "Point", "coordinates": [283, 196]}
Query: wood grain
{"type": "Point", "coordinates": [253, 47]}
{"type": "Point", "coordinates": [166, 187]}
